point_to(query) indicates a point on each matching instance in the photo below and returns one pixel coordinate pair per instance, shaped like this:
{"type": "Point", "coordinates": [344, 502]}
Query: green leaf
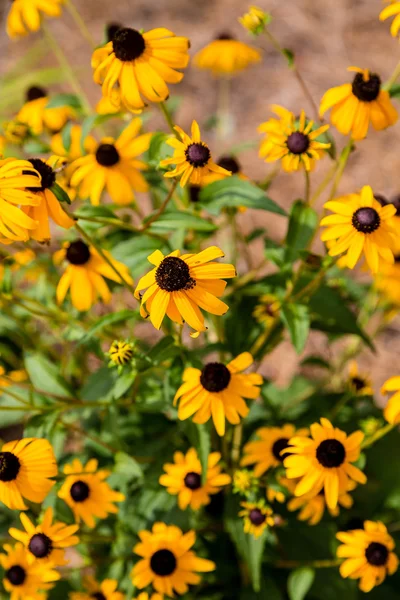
{"type": "Point", "coordinates": [12, 417]}
{"type": "Point", "coordinates": [394, 91]}
{"type": "Point", "coordinates": [64, 100]}
{"type": "Point", "coordinates": [302, 225]}
{"type": "Point", "coordinates": [134, 251]}
{"type": "Point", "coordinates": [315, 361]}
{"type": "Point", "coordinates": [289, 55]}
{"type": "Point", "coordinates": [60, 194]}
{"type": "Point", "coordinates": [88, 124]}
{"type": "Point", "coordinates": [300, 582]}
{"type": "Point", "coordinates": [157, 144]}
{"type": "Point", "coordinates": [297, 320]}
{"type": "Point", "coordinates": [110, 319]}
{"type": "Point", "coordinates": [66, 136]}
{"type": "Point", "coordinates": [163, 350]}
{"type": "Point", "coordinates": [234, 192]}
{"type": "Point", "coordinates": [45, 376]}
{"type": "Point", "coordinates": [178, 220]}
{"type": "Point", "coordinates": [127, 467]}
{"type": "Point", "coordinates": [36, 147]}
{"type": "Point", "coordinates": [87, 210]}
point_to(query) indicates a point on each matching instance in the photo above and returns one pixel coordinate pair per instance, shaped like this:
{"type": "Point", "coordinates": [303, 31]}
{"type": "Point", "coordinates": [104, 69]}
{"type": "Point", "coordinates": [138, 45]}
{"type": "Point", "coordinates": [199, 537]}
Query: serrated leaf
{"type": "Point", "coordinates": [300, 582]}
{"type": "Point", "coordinates": [45, 376]}
{"type": "Point", "coordinates": [110, 319]}
{"type": "Point", "coordinates": [64, 100]}
{"type": "Point", "coordinates": [60, 194]}
{"type": "Point", "coordinates": [303, 221]}
{"type": "Point", "coordinates": [297, 320]}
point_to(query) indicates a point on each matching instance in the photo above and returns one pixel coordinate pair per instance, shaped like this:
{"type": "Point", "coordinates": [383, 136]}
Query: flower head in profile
{"type": "Point", "coordinates": [392, 409]}
{"type": "Point", "coordinates": [46, 542]}
{"type": "Point", "coordinates": [37, 116]}
{"type": "Point", "coordinates": [368, 553]}
{"type": "Point", "coordinates": [360, 225]}
{"type": "Point", "coordinates": [26, 468]}
{"type": "Point", "coordinates": [15, 132]}
{"type": "Point", "coordinates": [184, 478]}
{"type": "Point", "coordinates": [140, 65]}
{"type": "Point", "coordinates": [358, 104]}
{"type": "Point", "coordinates": [24, 577]}
{"type": "Point", "coordinates": [85, 273]}
{"type": "Point", "coordinates": [192, 158]}
{"type": "Point", "coordinates": [26, 15]}
{"type": "Point", "coordinates": [113, 165]}
{"type": "Point", "coordinates": [257, 517]}
{"type": "Point", "coordinates": [292, 140]}
{"type": "Point", "coordinates": [312, 508]}
{"type": "Point", "coordinates": [267, 310]}
{"type": "Point", "coordinates": [167, 561]}
{"type": "Point", "coordinates": [359, 383]}
{"type": "Point", "coordinates": [225, 56]}
{"type": "Point", "coordinates": [392, 10]}
{"type": "Point", "coordinates": [218, 391]}
{"type": "Point", "coordinates": [179, 285]}
{"type": "Point", "coordinates": [106, 590]}
{"type": "Point", "coordinates": [87, 493]}
{"type": "Point", "coordinates": [324, 461]}
{"type": "Point", "coordinates": [255, 20]}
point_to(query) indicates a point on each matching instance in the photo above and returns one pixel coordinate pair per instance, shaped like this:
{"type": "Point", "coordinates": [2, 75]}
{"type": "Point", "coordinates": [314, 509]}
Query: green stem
{"type": "Point", "coordinates": [236, 444]}
{"type": "Point", "coordinates": [378, 435]}
{"type": "Point", "coordinates": [224, 89]}
{"type": "Point", "coordinates": [81, 24]}
{"type": "Point", "coordinates": [162, 208]}
{"type": "Point", "coordinates": [168, 118]}
{"type": "Point", "coordinates": [316, 564]}
{"type": "Point", "coordinates": [341, 167]}
{"type": "Point", "coordinates": [392, 79]}
{"type": "Point", "coordinates": [327, 179]}
{"type": "Point", "coordinates": [308, 186]}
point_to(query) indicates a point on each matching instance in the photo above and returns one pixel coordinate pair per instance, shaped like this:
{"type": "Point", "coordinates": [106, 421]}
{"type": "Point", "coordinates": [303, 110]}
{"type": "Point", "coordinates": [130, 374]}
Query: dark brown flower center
{"type": "Point", "coordinates": [197, 154]}
{"type": "Point", "coordinates": [193, 481]}
{"type": "Point", "coordinates": [79, 491]}
{"type": "Point", "coordinates": [366, 91]}
{"type": "Point", "coordinates": [16, 575]}
{"type": "Point", "coordinates": [225, 35]}
{"type": "Point", "coordinates": [9, 466]}
{"type": "Point", "coordinates": [257, 517]}
{"type": "Point", "coordinates": [194, 192]}
{"type": "Point", "coordinates": [34, 93]}
{"type": "Point", "coordinates": [366, 220]}
{"type": "Point", "coordinates": [331, 453]}
{"type": "Point", "coordinates": [163, 563]}
{"type": "Point", "coordinates": [98, 596]}
{"type": "Point", "coordinates": [173, 274]}
{"type": "Point", "coordinates": [278, 446]}
{"type": "Point", "coordinates": [40, 545]}
{"type": "Point", "coordinates": [128, 44]}
{"type": "Point", "coordinates": [78, 253]}
{"type": "Point", "coordinates": [229, 163]}
{"type": "Point", "coordinates": [215, 377]}
{"type": "Point", "coordinates": [377, 554]}
{"type": "Point", "coordinates": [298, 142]}
{"type": "Point", "coordinates": [112, 29]}
{"type": "Point", "coordinates": [358, 383]}
{"type": "Point", "coordinates": [107, 155]}
{"type": "Point", "coordinates": [45, 171]}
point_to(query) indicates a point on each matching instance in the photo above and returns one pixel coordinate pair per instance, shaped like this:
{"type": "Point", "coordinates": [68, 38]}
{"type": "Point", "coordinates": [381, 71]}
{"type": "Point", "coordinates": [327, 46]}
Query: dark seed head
{"type": "Point", "coordinates": [331, 453]}
{"type": "Point", "coordinates": [98, 596]}
{"type": "Point", "coordinates": [173, 275]}
{"type": "Point", "coordinates": [298, 142]}
{"type": "Point", "coordinates": [225, 35]}
{"type": "Point", "coordinates": [79, 491]}
{"type": "Point", "coordinates": [46, 172]}
{"type": "Point", "coordinates": [163, 563]}
{"type": "Point", "coordinates": [193, 481]}
{"type": "Point", "coordinates": [229, 163]}
{"type": "Point", "coordinates": [358, 383]}
{"type": "Point", "coordinates": [194, 191]}
{"type": "Point", "coordinates": [128, 44]}
{"type": "Point", "coordinates": [9, 466]}
{"type": "Point", "coordinates": [197, 154]}
{"type": "Point", "coordinates": [78, 253]}
{"type": "Point", "coordinates": [107, 155]}
{"type": "Point", "coordinates": [377, 554]}
{"type": "Point", "coordinates": [16, 575]}
{"type": "Point", "coordinates": [366, 91]}
{"type": "Point", "coordinates": [40, 545]}
{"type": "Point", "coordinates": [215, 377]}
{"type": "Point", "coordinates": [366, 220]}
{"type": "Point", "coordinates": [278, 447]}
{"type": "Point", "coordinates": [257, 517]}
{"type": "Point", "coordinates": [111, 30]}
{"type": "Point", "coordinates": [34, 93]}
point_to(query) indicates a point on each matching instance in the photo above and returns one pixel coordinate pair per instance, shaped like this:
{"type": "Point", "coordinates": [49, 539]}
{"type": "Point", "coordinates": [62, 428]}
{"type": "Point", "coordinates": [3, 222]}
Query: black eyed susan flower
{"type": "Point", "coordinates": [179, 285]}
{"type": "Point", "coordinates": [168, 563]}
{"type": "Point", "coordinates": [87, 493]}
{"type": "Point", "coordinates": [49, 206]}
{"type": "Point", "coordinates": [392, 409]}
{"type": "Point", "coordinates": [392, 10]}
{"type": "Point", "coordinates": [269, 450]}
{"type": "Point", "coordinates": [106, 590]}
{"type": "Point", "coordinates": [324, 461]}
{"type": "Point", "coordinates": [225, 56]}
{"type": "Point", "coordinates": [113, 165]}
{"type": "Point", "coordinates": [255, 20]}
{"type": "Point", "coordinates": [292, 140]}
{"type": "Point", "coordinates": [24, 577]}
{"type": "Point", "coordinates": [38, 117]}
{"type": "Point", "coordinates": [312, 508]}
{"type": "Point", "coordinates": [141, 65]}
{"type": "Point", "coordinates": [192, 158]}
{"type": "Point", "coordinates": [121, 352]}
{"type": "Point", "coordinates": [244, 482]}
{"type": "Point", "coordinates": [368, 554]}
{"type": "Point", "coordinates": [47, 541]}
{"type": "Point", "coordinates": [356, 105]}
{"type": "Point", "coordinates": [361, 225]}
{"type": "Point", "coordinates": [184, 479]}
{"type": "Point", "coordinates": [26, 15]}
{"type": "Point", "coordinates": [359, 383]}
{"type": "Point", "coordinates": [25, 469]}
{"type": "Point", "coordinates": [85, 274]}
{"type": "Point", "coordinates": [217, 391]}
{"type": "Point", "coordinates": [257, 517]}
{"type": "Point", "coordinates": [15, 132]}
{"type": "Point", "coordinates": [267, 311]}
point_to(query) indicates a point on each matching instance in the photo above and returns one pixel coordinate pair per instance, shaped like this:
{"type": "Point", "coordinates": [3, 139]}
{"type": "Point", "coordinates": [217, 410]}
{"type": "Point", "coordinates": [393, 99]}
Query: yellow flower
{"type": "Point", "coordinates": [168, 563]}
{"type": "Point", "coordinates": [25, 469]}
{"type": "Point", "coordinates": [361, 225]}
{"type": "Point", "coordinates": [390, 11]}
{"type": "Point", "coordinates": [324, 461]}
{"type": "Point", "coordinates": [27, 15]}
{"type": "Point", "coordinates": [267, 311]}
{"type": "Point", "coordinates": [15, 132]}
{"type": "Point", "coordinates": [120, 352]}
{"type": "Point", "coordinates": [218, 391]}
{"type": "Point", "coordinates": [184, 479]}
{"type": "Point", "coordinates": [387, 281]}
{"type": "Point", "coordinates": [274, 494]}
{"type": "Point", "coordinates": [369, 554]}
{"type": "Point", "coordinates": [76, 148]}
{"type": "Point", "coordinates": [113, 164]}
{"type": "Point", "coordinates": [269, 450]}
{"type": "Point", "coordinates": [85, 274]}
{"type": "Point", "coordinates": [37, 116]}
{"type": "Point", "coordinates": [359, 384]}
{"type": "Point", "coordinates": [312, 507]}
{"type": "Point", "coordinates": [257, 517]}
{"type": "Point", "coordinates": [392, 409]}
{"type": "Point", "coordinates": [244, 482]}
{"type": "Point", "coordinates": [255, 20]}
{"type": "Point", "coordinates": [87, 493]}
{"type": "Point", "coordinates": [47, 541]}
{"type": "Point", "coordinates": [226, 56]}
{"type": "Point", "coordinates": [192, 158]}
{"type": "Point", "coordinates": [292, 140]}
{"type": "Point", "coordinates": [179, 285]}
{"type": "Point", "coordinates": [356, 105]}
{"type": "Point", "coordinates": [24, 577]}
{"type": "Point", "coordinates": [146, 596]}
{"type": "Point", "coordinates": [12, 377]}
{"type": "Point", "coordinates": [231, 164]}
{"type": "Point", "coordinates": [141, 64]}
{"type": "Point", "coordinates": [106, 590]}
{"type": "Point", "coordinates": [105, 106]}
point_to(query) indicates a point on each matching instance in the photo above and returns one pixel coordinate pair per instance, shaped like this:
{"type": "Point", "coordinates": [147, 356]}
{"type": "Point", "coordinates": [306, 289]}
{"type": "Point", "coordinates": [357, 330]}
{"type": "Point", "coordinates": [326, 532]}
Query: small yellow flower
{"type": "Point", "coordinates": [274, 494]}
{"type": "Point", "coordinates": [390, 11]}
{"type": "Point", "coordinates": [27, 15]}
{"type": "Point", "coordinates": [392, 409]}
{"type": "Point", "coordinates": [12, 377]}
{"type": "Point", "coordinates": [360, 384]}
{"type": "Point", "coordinates": [15, 132]}
{"type": "Point", "coordinates": [255, 20]}
{"type": "Point", "coordinates": [226, 56]}
{"type": "Point", "coordinates": [257, 517]}
{"type": "Point", "coordinates": [244, 482]}
{"type": "Point", "coordinates": [121, 352]}
{"type": "Point", "coordinates": [106, 590]}
{"type": "Point", "coordinates": [38, 117]}
{"type": "Point", "coordinates": [267, 311]}
{"type": "Point", "coordinates": [370, 425]}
